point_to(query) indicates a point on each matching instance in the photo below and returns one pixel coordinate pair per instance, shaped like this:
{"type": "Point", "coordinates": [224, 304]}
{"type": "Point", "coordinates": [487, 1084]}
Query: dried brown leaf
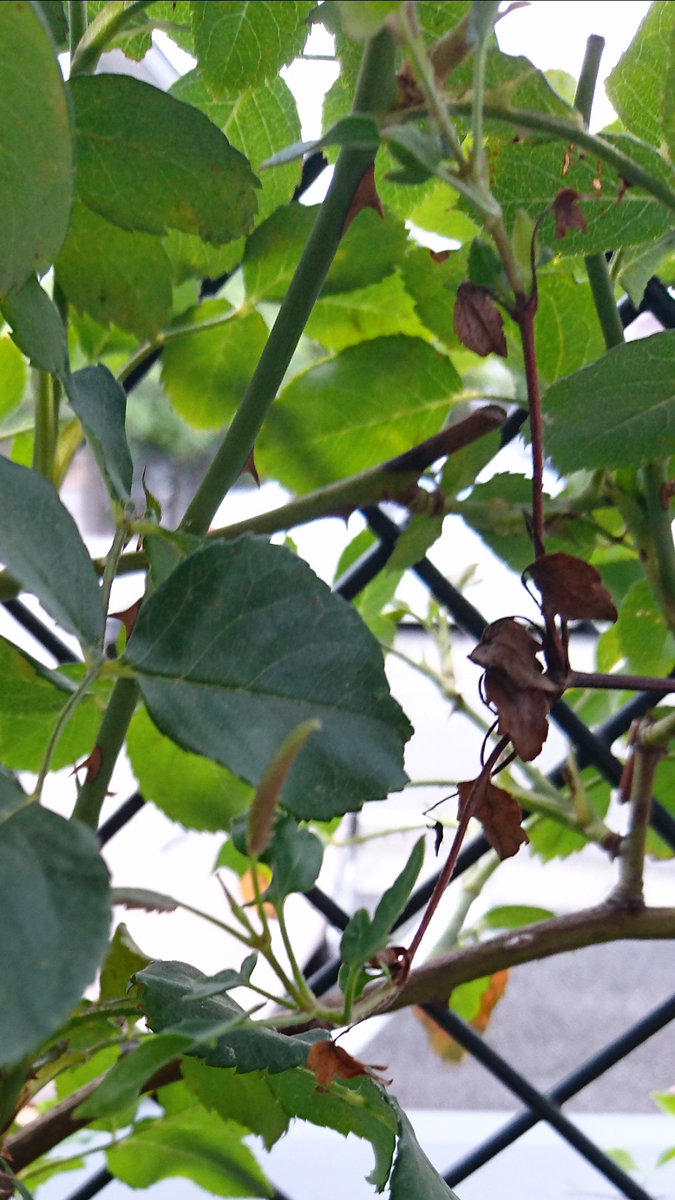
{"type": "Point", "coordinates": [522, 713]}
{"type": "Point", "coordinates": [478, 323]}
{"type": "Point", "coordinates": [327, 1060]}
{"type": "Point", "coordinates": [508, 647]}
{"type": "Point", "coordinates": [498, 813]}
{"type": "Point", "coordinates": [571, 588]}
{"type": "Point", "coordinates": [567, 213]}
{"type": "Point", "coordinates": [365, 196]}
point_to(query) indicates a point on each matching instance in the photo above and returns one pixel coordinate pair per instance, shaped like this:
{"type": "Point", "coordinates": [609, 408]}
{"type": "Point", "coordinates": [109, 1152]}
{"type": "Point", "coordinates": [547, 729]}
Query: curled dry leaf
{"type": "Point", "coordinates": [498, 813]}
{"type": "Point", "coordinates": [478, 323]}
{"type": "Point", "coordinates": [567, 213]}
{"type": "Point", "coordinates": [365, 196]}
{"type": "Point", "coordinates": [396, 959]}
{"type": "Point", "coordinates": [522, 713]}
{"type": "Point", "coordinates": [327, 1060]}
{"type": "Point", "coordinates": [571, 588]}
{"type": "Point", "coordinates": [508, 647]}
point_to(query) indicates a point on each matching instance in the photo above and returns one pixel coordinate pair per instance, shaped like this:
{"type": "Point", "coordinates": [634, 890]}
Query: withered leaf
{"type": "Point", "coordinates": [498, 813]}
{"type": "Point", "coordinates": [571, 588]}
{"type": "Point", "coordinates": [509, 647]}
{"type": "Point", "coordinates": [522, 713]}
{"type": "Point", "coordinates": [567, 213]}
{"type": "Point", "coordinates": [365, 196]}
{"type": "Point", "coordinates": [478, 323]}
{"type": "Point", "coordinates": [327, 1060]}
{"type": "Point", "coordinates": [442, 1043]}
{"type": "Point", "coordinates": [396, 959]}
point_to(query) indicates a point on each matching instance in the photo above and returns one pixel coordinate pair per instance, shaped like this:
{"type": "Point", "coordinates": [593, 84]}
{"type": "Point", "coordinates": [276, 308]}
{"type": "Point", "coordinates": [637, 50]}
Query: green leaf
{"type": "Point", "coordinates": [191, 258]}
{"type": "Point", "coordinates": [512, 916]}
{"type": "Point", "coordinates": [35, 146]}
{"type": "Point", "coordinates": [123, 1084]}
{"type": "Point", "coordinates": [623, 1159]}
{"type": "Point", "coordinates": [55, 16]}
{"type": "Point", "coordinates": [295, 856]}
{"type": "Point", "coordinates": [143, 158]}
{"type": "Point", "coordinates": [190, 789]}
{"type": "Point", "coordinates": [224, 981]}
{"type": "Point", "coordinates": [246, 1099]}
{"type": "Point", "coordinates": [206, 374]}
{"type": "Point", "coordinates": [460, 469]}
{"type": "Point", "coordinates": [193, 1144]}
{"type": "Point", "coordinates": [644, 639]}
{"type": "Point", "coordinates": [495, 510]}
{"type": "Point", "coordinates": [116, 277]}
{"type": "Point", "coordinates": [258, 122]}
{"type": "Point", "coordinates": [357, 130]}
{"type": "Point", "coordinates": [640, 263]}
{"type": "Point", "coordinates": [433, 287]}
{"type": "Point", "coordinates": [365, 935]}
{"type": "Point", "coordinates": [413, 1177]}
{"type": "Point", "coordinates": [437, 213]}
{"type": "Point", "coordinates": [229, 665]}
{"type": "Point", "coordinates": [355, 1106]}
{"type": "Point", "coordinates": [37, 327]}
{"type": "Point", "coordinates": [418, 537]}
{"type": "Point", "coordinates": [100, 402]}
{"type": "Point", "coordinates": [567, 328]}
{"type": "Point", "coordinates": [136, 45]}
{"type": "Point", "coordinates": [239, 45]}
{"type": "Point", "coordinates": [124, 959]}
{"type": "Point", "coordinates": [636, 85]}
{"type": "Point", "coordinates": [381, 310]}
{"type": "Point", "coordinates": [614, 412]}
{"type": "Point", "coordinates": [41, 547]}
{"type": "Point", "coordinates": [324, 426]}
{"type": "Point", "coordinates": [55, 902]}
{"type": "Point", "coordinates": [171, 994]}
{"type": "Point", "coordinates": [361, 19]}
{"type": "Point", "coordinates": [12, 376]}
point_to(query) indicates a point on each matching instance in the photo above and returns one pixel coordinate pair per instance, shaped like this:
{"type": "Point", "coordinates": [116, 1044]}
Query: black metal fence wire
{"type": "Point", "coordinates": [592, 747]}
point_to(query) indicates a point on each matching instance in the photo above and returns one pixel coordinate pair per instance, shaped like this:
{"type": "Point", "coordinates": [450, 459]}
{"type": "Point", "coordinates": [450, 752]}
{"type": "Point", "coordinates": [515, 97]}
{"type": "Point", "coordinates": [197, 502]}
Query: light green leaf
{"type": "Point", "coordinates": [421, 533]}
{"type": "Point", "coordinates": [258, 122]}
{"type": "Point", "coordinates": [381, 310]}
{"type": "Point", "coordinates": [365, 935]}
{"type": "Point", "coordinates": [644, 639]}
{"type": "Point", "coordinates": [228, 666]}
{"type": "Point", "coordinates": [622, 1159]}
{"type": "Point", "coordinates": [190, 789]}
{"type": "Point", "coordinates": [100, 402]}
{"type": "Point", "coordinates": [433, 287]}
{"type": "Point", "coordinates": [193, 1144]}
{"type": "Point", "coordinates": [641, 262]}
{"type": "Point", "coordinates": [239, 44]}
{"type": "Point", "coordinates": [247, 1099]}
{"type": "Point", "coordinates": [206, 374]}
{"type": "Point", "coordinates": [143, 158]}
{"type": "Point", "coordinates": [495, 510]}
{"type": "Point", "coordinates": [191, 258]}
{"type": "Point", "coordinates": [616, 411]}
{"type": "Point", "coordinates": [636, 85]}
{"type": "Point", "coordinates": [12, 376]}
{"type": "Point", "coordinates": [41, 547]}
{"type": "Point", "coordinates": [35, 147]}
{"type": "Point", "coordinates": [363, 18]}
{"type": "Point", "coordinates": [116, 277]}
{"type": "Point", "coordinates": [356, 130]}
{"type": "Point", "coordinates": [55, 902]}
{"type": "Point", "coordinates": [37, 327]}
{"type": "Point", "coordinates": [122, 961]}
{"type": "Point", "coordinates": [122, 1085]}
{"type": "Point", "coordinates": [136, 45]}
{"type": "Point", "coordinates": [567, 329]}
{"type": "Point", "coordinates": [437, 213]}
{"type": "Point", "coordinates": [413, 1177]}
{"type": "Point", "coordinates": [460, 469]}
{"type": "Point", "coordinates": [325, 425]}
{"type": "Point", "coordinates": [512, 916]}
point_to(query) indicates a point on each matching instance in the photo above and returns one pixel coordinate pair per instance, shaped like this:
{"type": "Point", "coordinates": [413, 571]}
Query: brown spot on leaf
{"type": "Point", "coordinates": [567, 213]}
{"type": "Point", "coordinates": [571, 588]}
{"type": "Point", "coordinates": [365, 196]}
{"type": "Point", "coordinates": [498, 813]}
{"type": "Point", "coordinates": [509, 647]}
{"type": "Point", "coordinates": [327, 1060]}
{"type": "Point", "coordinates": [478, 323]}
{"type": "Point", "coordinates": [439, 256]}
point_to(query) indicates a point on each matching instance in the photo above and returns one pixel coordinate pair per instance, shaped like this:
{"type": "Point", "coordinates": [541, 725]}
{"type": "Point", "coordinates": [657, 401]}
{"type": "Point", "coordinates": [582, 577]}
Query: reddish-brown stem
{"type": "Point", "coordinates": [446, 873]}
{"type": "Point", "coordinates": [621, 683]}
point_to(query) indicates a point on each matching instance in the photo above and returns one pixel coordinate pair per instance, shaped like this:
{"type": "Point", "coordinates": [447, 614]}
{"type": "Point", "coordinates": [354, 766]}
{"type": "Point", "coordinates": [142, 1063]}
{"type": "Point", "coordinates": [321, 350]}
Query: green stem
{"type": "Point", "coordinates": [658, 735]}
{"type": "Point", "coordinates": [102, 31]}
{"type": "Point", "coordinates": [655, 476]}
{"type": "Point", "coordinates": [473, 883]}
{"type": "Point", "coordinates": [307, 996]}
{"type": "Point", "coordinates": [111, 564]}
{"type": "Point", "coordinates": [372, 95]}
{"type": "Point", "coordinates": [110, 740]}
{"type": "Point", "coordinates": [603, 298]}
{"type": "Point", "coordinates": [484, 29]}
{"type": "Point", "coordinates": [266, 948]}
{"type": "Point", "coordinates": [61, 722]}
{"type": "Point", "coordinates": [630, 890]}
{"type": "Point", "coordinates": [583, 97]}
{"type": "Point", "coordinates": [44, 445]}
{"type": "Point", "coordinates": [77, 24]}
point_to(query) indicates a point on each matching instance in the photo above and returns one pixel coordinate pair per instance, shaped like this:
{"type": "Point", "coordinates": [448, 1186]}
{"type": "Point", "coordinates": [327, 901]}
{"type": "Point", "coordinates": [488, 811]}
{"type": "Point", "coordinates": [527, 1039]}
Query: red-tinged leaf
{"type": "Point", "coordinates": [128, 617]}
{"type": "Point", "coordinates": [365, 196]}
{"type": "Point", "coordinates": [508, 647]}
{"type": "Point", "coordinates": [522, 713]}
{"type": "Point", "coordinates": [498, 813]}
{"type": "Point", "coordinates": [478, 323]}
{"type": "Point", "coordinates": [571, 588]}
{"type": "Point", "coordinates": [263, 808]}
{"type": "Point", "coordinates": [567, 213]}
{"type": "Point", "coordinates": [327, 1060]}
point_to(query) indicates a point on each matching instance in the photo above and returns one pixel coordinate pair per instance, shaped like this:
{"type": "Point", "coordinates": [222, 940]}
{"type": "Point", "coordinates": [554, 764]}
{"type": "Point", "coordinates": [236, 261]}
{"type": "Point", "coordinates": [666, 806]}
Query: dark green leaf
{"type": "Point", "coordinates": [413, 1177]}
{"type": "Point", "coordinates": [171, 995]}
{"type": "Point", "coordinates": [644, 638]}
{"type": "Point", "coordinates": [324, 426]}
{"type": "Point", "coordinates": [239, 45]}
{"type": "Point", "coordinates": [205, 374]}
{"type": "Point", "coordinates": [351, 1106]}
{"type": "Point", "coordinates": [143, 159]}
{"type": "Point", "coordinates": [37, 327]}
{"type": "Point", "coordinates": [246, 1099]}
{"type": "Point", "coordinates": [117, 277]}
{"type": "Point", "coordinates": [257, 122]}
{"type": "Point", "coordinates": [616, 411]}
{"type": "Point", "coordinates": [193, 1144]}
{"type": "Point", "coordinates": [460, 469]}
{"type": "Point", "coordinates": [224, 981]}
{"type": "Point", "coordinates": [35, 145]}
{"type": "Point", "coordinates": [12, 376]}
{"type": "Point", "coordinates": [636, 85]}
{"type": "Point", "coordinates": [100, 402]}
{"type": "Point", "coordinates": [364, 935]}
{"type": "Point", "coordinates": [55, 16]}
{"type": "Point", "coordinates": [495, 510]}
{"type": "Point", "coordinates": [512, 916]}
{"type": "Point", "coordinates": [356, 130]}
{"type": "Point", "coordinates": [190, 789]}
{"type": "Point", "coordinates": [640, 263]}
{"type": "Point", "coordinates": [55, 903]}
{"type": "Point", "coordinates": [229, 665]}
{"type": "Point", "coordinates": [380, 310]}
{"type": "Point", "coordinates": [41, 547]}
{"type": "Point", "coordinates": [417, 153]}
{"type": "Point", "coordinates": [122, 961]}
{"type": "Point", "coordinates": [295, 856]}
{"type": "Point", "coordinates": [123, 1084]}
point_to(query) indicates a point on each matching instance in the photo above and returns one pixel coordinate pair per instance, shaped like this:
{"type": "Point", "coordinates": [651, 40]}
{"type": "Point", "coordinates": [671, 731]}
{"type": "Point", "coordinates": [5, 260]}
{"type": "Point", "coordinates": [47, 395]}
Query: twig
{"type": "Point", "coordinates": [620, 683]}
{"type": "Point", "coordinates": [630, 889]}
